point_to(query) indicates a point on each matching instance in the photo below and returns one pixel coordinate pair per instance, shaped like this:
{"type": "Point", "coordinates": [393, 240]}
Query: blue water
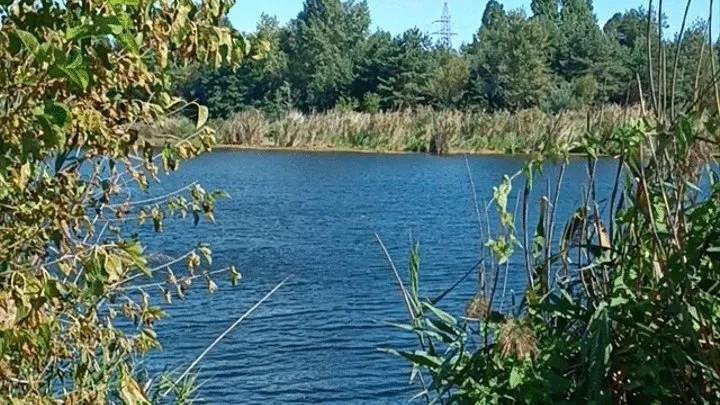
{"type": "Point", "coordinates": [313, 216]}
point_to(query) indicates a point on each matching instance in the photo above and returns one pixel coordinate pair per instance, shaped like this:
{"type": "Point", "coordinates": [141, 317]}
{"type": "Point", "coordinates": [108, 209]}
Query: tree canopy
{"type": "Point", "coordinates": [556, 58]}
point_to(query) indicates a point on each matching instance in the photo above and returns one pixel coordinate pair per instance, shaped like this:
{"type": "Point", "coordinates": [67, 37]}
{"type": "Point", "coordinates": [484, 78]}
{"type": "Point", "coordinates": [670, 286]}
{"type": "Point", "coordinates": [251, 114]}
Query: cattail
{"type": "Point", "coordinates": [478, 308]}
{"type": "Point", "coordinates": [516, 339]}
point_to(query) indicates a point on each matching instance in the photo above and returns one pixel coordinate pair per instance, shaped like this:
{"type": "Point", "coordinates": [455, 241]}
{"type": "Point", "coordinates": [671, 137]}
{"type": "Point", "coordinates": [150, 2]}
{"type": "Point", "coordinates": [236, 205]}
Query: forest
{"type": "Point", "coordinates": [554, 58]}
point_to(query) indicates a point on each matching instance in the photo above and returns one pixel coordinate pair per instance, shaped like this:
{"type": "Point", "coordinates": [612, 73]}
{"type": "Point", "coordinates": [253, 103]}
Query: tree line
{"type": "Point", "coordinates": [555, 58]}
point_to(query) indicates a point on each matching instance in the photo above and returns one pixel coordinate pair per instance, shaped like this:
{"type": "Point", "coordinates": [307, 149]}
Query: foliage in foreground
{"type": "Point", "coordinates": [75, 77]}
{"type": "Point", "coordinates": [622, 307]}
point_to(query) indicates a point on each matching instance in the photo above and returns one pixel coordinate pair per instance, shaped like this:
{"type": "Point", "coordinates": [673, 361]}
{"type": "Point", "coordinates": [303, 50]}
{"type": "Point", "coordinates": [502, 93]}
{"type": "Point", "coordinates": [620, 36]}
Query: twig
{"type": "Point", "coordinates": [153, 270]}
{"type": "Point", "coordinates": [154, 199]}
{"type": "Point", "coordinates": [476, 205]}
{"type": "Point", "coordinates": [161, 283]}
{"type": "Point", "coordinates": [442, 295]}
{"type": "Point", "coordinates": [397, 277]}
{"type": "Point", "coordinates": [225, 333]}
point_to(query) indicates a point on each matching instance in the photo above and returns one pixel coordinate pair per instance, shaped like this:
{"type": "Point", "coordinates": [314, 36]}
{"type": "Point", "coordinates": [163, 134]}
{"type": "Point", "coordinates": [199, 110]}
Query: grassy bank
{"type": "Point", "coordinates": [422, 130]}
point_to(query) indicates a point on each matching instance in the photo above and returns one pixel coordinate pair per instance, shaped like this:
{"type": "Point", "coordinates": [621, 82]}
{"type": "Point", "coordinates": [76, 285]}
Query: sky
{"type": "Point", "coordinates": [397, 16]}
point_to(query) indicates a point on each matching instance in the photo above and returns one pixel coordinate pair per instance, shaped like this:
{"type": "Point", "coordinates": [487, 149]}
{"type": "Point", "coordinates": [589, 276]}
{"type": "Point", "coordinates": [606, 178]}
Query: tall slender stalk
{"type": "Point", "coordinates": [660, 64]}
{"type": "Point", "coordinates": [225, 333]}
{"type": "Point", "coordinates": [712, 58]}
{"type": "Point", "coordinates": [649, 58]}
{"type": "Point", "coordinates": [677, 58]}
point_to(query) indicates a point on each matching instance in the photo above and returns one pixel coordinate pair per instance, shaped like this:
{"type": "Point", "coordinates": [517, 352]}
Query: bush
{"type": "Point", "coordinates": [85, 76]}
{"type": "Point", "coordinates": [622, 310]}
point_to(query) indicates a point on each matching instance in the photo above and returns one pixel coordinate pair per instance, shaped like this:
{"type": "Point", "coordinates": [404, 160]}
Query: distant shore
{"type": "Point", "coordinates": [439, 132]}
{"type": "Point", "coordinates": [335, 149]}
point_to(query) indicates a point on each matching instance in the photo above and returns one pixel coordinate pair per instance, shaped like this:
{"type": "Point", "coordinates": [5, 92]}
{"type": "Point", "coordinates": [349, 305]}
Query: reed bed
{"type": "Point", "coordinates": [419, 130]}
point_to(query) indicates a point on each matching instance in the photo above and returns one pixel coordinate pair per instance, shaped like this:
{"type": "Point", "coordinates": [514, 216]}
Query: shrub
{"type": "Point", "coordinates": [621, 310]}
{"type": "Point", "coordinates": [77, 78]}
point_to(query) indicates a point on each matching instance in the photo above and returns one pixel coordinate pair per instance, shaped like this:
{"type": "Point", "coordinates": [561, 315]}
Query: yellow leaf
{"type": "Point", "coordinates": [8, 311]}
{"type": "Point", "coordinates": [202, 116]}
{"type": "Point", "coordinates": [130, 391]}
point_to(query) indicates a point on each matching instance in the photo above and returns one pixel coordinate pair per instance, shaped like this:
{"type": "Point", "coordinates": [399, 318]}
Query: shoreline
{"type": "Point", "coordinates": [334, 149]}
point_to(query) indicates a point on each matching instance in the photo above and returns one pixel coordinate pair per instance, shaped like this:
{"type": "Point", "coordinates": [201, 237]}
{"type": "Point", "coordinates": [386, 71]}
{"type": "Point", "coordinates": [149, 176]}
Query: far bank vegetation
{"type": "Point", "coordinates": [419, 130]}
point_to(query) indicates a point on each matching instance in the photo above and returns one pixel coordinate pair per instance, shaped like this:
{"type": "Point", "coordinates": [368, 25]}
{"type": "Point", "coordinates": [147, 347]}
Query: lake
{"type": "Point", "coordinates": [313, 216]}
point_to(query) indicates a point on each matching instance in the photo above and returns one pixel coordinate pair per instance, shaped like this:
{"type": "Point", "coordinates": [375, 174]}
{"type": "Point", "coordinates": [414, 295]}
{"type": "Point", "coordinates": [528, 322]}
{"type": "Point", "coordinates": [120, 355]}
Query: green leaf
{"type": "Point", "coordinates": [516, 377]}
{"type": "Point", "coordinates": [128, 42]}
{"type": "Point", "coordinates": [135, 251]}
{"type": "Point", "coordinates": [617, 301]}
{"type": "Point", "coordinates": [418, 357]}
{"type": "Point", "coordinates": [109, 25]}
{"type": "Point", "coordinates": [58, 112]}
{"type": "Point", "coordinates": [53, 289]}
{"type": "Point", "coordinates": [27, 39]}
{"type": "Point", "coordinates": [202, 116]}
{"type": "Point", "coordinates": [103, 25]}
{"type": "Point", "coordinates": [113, 268]}
{"type": "Point", "coordinates": [442, 315]}
{"type": "Point", "coordinates": [79, 32]}
{"type": "Point", "coordinates": [130, 3]}
{"type": "Point", "coordinates": [77, 71]}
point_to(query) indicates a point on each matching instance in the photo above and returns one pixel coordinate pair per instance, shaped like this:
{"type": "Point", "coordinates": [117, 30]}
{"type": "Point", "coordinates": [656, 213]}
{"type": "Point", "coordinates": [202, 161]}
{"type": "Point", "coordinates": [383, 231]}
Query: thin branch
{"type": "Point", "coordinates": [153, 270]}
{"type": "Point", "coordinates": [476, 205]}
{"type": "Point", "coordinates": [225, 333]}
{"type": "Point", "coordinates": [154, 199]}
{"type": "Point", "coordinates": [397, 277]}
{"type": "Point", "coordinates": [161, 283]}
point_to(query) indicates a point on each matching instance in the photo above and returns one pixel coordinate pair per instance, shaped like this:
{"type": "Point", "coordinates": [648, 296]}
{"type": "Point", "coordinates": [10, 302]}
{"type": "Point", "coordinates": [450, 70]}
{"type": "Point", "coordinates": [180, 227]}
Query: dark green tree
{"type": "Point", "coordinates": [449, 80]}
{"type": "Point", "coordinates": [375, 65]}
{"type": "Point", "coordinates": [494, 12]}
{"type": "Point", "coordinates": [412, 68]}
{"type": "Point", "coordinates": [324, 42]}
{"type": "Point", "coordinates": [510, 67]}
{"type": "Point", "coordinates": [545, 8]}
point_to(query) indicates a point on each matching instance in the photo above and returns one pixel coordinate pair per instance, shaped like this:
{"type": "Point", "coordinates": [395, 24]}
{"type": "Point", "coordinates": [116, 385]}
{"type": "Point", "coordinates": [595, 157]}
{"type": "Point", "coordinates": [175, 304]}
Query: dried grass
{"type": "Point", "coordinates": [418, 130]}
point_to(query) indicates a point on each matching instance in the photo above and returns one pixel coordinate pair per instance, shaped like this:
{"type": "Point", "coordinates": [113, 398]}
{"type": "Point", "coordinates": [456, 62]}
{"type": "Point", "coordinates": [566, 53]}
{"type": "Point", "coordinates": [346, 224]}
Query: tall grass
{"type": "Point", "coordinates": [420, 130]}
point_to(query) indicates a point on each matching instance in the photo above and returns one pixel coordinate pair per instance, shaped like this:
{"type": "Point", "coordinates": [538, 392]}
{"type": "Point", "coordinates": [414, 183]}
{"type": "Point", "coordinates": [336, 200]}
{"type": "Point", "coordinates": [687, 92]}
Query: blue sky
{"type": "Point", "coordinates": [398, 15]}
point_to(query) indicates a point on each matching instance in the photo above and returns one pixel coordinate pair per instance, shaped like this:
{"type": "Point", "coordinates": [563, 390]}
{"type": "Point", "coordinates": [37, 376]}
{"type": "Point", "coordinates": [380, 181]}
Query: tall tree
{"type": "Point", "coordinates": [510, 67]}
{"type": "Point", "coordinates": [449, 80]}
{"type": "Point", "coordinates": [545, 8]}
{"type": "Point", "coordinates": [375, 65]}
{"type": "Point", "coordinates": [323, 42]}
{"type": "Point", "coordinates": [627, 33]}
{"type": "Point", "coordinates": [582, 42]}
{"type": "Point", "coordinates": [412, 67]}
{"type": "Point", "coordinates": [494, 12]}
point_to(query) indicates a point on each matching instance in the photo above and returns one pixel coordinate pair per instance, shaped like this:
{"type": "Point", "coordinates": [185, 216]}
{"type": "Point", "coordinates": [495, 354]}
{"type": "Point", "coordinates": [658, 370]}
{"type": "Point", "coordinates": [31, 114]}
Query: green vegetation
{"type": "Point", "coordinates": [621, 305]}
{"type": "Point", "coordinates": [75, 311]}
{"type": "Point", "coordinates": [420, 130]}
{"type": "Point", "coordinates": [554, 60]}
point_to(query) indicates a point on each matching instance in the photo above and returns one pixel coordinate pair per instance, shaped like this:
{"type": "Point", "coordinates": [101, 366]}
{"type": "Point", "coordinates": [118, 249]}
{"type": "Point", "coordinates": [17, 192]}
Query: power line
{"type": "Point", "coordinates": [446, 33]}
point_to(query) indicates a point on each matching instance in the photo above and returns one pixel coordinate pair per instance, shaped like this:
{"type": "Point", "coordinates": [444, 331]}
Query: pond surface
{"type": "Point", "coordinates": [313, 216]}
